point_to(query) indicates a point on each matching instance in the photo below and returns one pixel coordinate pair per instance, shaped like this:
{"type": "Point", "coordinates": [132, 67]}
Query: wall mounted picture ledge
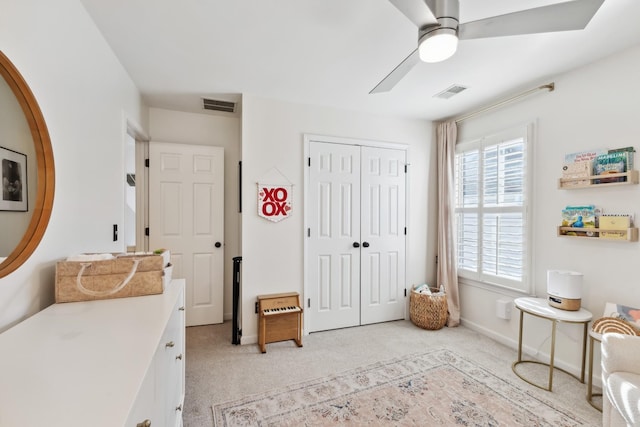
{"type": "Point", "coordinates": [14, 181]}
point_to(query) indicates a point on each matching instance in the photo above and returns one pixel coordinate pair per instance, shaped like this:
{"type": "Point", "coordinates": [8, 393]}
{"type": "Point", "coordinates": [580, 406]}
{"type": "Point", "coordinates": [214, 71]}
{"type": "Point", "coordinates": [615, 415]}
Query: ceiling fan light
{"type": "Point", "coordinates": [438, 45]}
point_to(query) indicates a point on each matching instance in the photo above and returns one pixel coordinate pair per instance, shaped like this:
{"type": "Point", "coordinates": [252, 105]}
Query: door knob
{"type": "Point", "coordinates": [365, 244]}
{"type": "Point", "coordinates": [218, 244]}
{"type": "Point", "coordinates": [356, 244]}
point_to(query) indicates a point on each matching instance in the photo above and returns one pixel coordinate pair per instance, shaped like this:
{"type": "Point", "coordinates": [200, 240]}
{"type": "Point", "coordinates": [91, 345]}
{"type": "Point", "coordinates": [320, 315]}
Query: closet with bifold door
{"type": "Point", "coordinates": [355, 217]}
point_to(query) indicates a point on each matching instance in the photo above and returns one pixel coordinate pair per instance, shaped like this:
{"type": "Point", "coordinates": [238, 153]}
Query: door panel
{"type": "Point", "coordinates": [333, 263]}
{"type": "Point", "coordinates": [186, 205]}
{"type": "Point", "coordinates": [383, 224]}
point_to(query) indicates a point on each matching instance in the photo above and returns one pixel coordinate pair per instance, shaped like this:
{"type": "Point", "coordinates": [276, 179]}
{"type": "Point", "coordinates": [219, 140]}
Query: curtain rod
{"type": "Point", "coordinates": [550, 87]}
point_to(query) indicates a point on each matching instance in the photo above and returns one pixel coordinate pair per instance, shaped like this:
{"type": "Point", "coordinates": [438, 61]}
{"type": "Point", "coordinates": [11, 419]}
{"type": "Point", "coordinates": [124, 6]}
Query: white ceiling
{"type": "Point", "coordinates": [333, 52]}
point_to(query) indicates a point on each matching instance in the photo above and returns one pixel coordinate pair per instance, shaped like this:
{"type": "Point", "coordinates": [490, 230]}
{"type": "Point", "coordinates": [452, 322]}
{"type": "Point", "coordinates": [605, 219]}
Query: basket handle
{"type": "Point", "coordinates": [116, 289]}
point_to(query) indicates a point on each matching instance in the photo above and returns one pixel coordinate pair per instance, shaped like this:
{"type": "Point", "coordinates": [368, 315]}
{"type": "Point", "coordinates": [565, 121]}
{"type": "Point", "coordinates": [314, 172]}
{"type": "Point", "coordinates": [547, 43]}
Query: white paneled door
{"type": "Point", "coordinates": [333, 249]}
{"type": "Point", "coordinates": [186, 206]}
{"type": "Point", "coordinates": [382, 228]}
{"type": "Point", "coordinates": [355, 260]}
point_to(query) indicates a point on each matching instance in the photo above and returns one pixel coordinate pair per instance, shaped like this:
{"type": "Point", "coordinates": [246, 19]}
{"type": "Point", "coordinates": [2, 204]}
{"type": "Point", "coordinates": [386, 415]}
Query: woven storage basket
{"type": "Point", "coordinates": [613, 324]}
{"type": "Point", "coordinates": [428, 311]}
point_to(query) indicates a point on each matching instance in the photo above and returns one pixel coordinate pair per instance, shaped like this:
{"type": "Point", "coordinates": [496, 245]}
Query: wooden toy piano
{"type": "Point", "coordinates": [280, 319]}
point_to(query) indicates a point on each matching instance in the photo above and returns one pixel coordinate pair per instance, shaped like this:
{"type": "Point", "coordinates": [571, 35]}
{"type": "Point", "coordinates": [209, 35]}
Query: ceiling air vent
{"type": "Point", "coordinates": [450, 91]}
{"type": "Point", "coordinates": [217, 105]}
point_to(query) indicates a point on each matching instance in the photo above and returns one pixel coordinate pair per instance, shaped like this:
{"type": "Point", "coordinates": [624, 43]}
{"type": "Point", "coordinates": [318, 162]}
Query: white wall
{"type": "Point", "coordinates": [85, 96]}
{"type": "Point", "coordinates": [215, 130]}
{"type": "Point", "coordinates": [273, 137]}
{"type": "Point", "coordinates": [595, 106]}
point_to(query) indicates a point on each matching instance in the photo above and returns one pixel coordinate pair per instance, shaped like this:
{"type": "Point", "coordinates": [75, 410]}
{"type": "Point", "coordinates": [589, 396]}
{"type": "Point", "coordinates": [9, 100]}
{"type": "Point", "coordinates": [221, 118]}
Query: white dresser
{"type": "Point", "coordinates": [110, 363]}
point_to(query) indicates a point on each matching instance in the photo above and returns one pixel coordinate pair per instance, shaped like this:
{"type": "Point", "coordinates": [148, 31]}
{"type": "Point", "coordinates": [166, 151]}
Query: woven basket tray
{"type": "Point", "coordinates": [428, 311]}
{"type": "Point", "coordinates": [613, 324]}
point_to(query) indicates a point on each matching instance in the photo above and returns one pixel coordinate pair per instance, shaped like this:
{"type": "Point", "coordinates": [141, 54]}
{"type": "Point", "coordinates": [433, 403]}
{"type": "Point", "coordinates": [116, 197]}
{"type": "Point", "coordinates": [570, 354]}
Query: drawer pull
{"type": "Point", "coordinates": [179, 408]}
{"type": "Point", "coordinates": [179, 357]}
{"type": "Point", "coordinates": [181, 308]}
{"type": "Point", "coordinates": [169, 344]}
{"type": "Point", "coordinates": [145, 423]}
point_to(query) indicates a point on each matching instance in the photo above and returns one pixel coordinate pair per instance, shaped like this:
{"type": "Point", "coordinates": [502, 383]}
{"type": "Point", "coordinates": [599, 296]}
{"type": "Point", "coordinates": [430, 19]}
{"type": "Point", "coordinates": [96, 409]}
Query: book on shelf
{"type": "Point", "coordinates": [630, 156]}
{"type": "Point", "coordinates": [572, 171]}
{"type": "Point", "coordinates": [582, 156]}
{"type": "Point", "coordinates": [579, 217]}
{"type": "Point", "coordinates": [614, 226]}
{"type": "Point", "coordinates": [612, 163]}
{"type": "Point", "coordinates": [623, 149]}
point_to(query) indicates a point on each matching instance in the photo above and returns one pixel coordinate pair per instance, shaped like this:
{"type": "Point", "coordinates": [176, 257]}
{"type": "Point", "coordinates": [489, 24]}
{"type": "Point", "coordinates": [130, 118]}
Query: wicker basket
{"type": "Point", "coordinates": [613, 324]}
{"type": "Point", "coordinates": [428, 311]}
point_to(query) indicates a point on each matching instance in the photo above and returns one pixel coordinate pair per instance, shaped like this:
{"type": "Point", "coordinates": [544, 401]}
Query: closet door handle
{"type": "Point", "coordinates": [365, 244]}
{"type": "Point", "coordinates": [218, 244]}
{"type": "Point", "coordinates": [356, 244]}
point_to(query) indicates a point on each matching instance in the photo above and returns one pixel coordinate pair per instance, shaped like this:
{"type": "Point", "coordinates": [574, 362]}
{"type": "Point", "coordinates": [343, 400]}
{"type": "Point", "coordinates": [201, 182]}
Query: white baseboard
{"type": "Point", "coordinates": [251, 339]}
{"type": "Point", "coordinates": [533, 353]}
{"type": "Point", "coordinates": [491, 334]}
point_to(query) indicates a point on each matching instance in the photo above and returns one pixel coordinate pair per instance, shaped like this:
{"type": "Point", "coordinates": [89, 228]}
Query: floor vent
{"type": "Point", "coordinates": [217, 105]}
{"type": "Point", "coordinates": [450, 91]}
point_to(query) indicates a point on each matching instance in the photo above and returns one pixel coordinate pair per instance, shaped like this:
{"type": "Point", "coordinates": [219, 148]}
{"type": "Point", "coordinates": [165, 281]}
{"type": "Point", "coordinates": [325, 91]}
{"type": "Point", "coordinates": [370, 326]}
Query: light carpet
{"type": "Point", "coordinates": [438, 387]}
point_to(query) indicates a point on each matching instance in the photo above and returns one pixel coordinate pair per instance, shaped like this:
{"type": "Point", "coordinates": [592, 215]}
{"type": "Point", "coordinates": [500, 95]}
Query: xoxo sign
{"type": "Point", "coordinates": [274, 202]}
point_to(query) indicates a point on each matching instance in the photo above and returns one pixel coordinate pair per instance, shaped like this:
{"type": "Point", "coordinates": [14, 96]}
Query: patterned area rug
{"type": "Point", "coordinates": [429, 389]}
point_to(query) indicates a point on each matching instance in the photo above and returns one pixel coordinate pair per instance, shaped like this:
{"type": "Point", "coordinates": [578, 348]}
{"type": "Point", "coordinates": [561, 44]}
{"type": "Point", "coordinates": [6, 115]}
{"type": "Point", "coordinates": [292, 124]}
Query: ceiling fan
{"type": "Point", "coordinates": [439, 28]}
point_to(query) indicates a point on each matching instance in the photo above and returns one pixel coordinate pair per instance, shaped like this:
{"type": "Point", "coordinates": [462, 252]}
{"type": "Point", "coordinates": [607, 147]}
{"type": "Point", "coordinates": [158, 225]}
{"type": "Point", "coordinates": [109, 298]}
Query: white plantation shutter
{"type": "Point", "coordinates": [491, 209]}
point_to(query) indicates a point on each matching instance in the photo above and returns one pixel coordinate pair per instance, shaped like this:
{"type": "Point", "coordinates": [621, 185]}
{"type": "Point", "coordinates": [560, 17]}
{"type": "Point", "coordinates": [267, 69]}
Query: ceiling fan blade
{"type": "Point", "coordinates": [416, 10]}
{"type": "Point", "coordinates": [571, 15]}
{"type": "Point", "coordinates": [397, 74]}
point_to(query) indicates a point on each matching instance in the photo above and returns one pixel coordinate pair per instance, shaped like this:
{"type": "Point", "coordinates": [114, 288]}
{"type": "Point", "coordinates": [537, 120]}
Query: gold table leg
{"type": "Point", "coordinates": [552, 355]}
{"type": "Point", "coordinates": [551, 363]}
{"type": "Point", "coordinates": [584, 352]}
{"type": "Point", "coordinates": [520, 337]}
{"type": "Point", "coordinates": [590, 393]}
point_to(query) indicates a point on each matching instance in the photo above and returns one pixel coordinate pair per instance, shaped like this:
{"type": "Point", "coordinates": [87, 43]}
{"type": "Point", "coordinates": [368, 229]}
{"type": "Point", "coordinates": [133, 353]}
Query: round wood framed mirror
{"type": "Point", "coordinates": [33, 199]}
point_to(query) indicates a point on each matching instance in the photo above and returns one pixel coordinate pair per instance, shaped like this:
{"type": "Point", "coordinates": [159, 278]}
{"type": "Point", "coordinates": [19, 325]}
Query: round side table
{"type": "Point", "coordinates": [539, 307]}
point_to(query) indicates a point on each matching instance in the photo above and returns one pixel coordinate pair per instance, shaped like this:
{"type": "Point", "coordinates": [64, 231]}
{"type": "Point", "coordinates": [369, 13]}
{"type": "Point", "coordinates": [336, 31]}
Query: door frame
{"type": "Point", "coordinates": [132, 130]}
{"type": "Point", "coordinates": [308, 139]}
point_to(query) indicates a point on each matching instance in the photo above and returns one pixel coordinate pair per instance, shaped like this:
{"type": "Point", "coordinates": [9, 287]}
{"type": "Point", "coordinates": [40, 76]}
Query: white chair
{"type": "Point", "coordinates": [620, 380]}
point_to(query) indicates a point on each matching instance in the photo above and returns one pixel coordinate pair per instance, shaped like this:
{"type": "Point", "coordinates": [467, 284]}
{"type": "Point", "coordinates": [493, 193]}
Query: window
{"type": "Point", "coordinates": [492, 193]}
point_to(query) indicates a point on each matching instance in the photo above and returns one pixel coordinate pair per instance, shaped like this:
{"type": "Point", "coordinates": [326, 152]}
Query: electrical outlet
{"type": "Point", "coordinates": [503, 308]}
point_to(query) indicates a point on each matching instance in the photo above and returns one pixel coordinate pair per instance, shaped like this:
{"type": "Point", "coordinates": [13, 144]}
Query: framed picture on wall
{"type": "Point", "coordinates": [14, 181]}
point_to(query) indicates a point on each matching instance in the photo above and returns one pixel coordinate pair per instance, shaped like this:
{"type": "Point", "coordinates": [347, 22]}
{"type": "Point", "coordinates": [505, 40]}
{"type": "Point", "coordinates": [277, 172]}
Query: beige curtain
{"type": "Point", "coordinates": [447, 272]}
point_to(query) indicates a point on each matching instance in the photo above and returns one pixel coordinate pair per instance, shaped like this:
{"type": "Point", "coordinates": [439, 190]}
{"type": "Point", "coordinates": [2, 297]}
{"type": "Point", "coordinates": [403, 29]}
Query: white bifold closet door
{"type": "Point", "coordinates": [355, 260]}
